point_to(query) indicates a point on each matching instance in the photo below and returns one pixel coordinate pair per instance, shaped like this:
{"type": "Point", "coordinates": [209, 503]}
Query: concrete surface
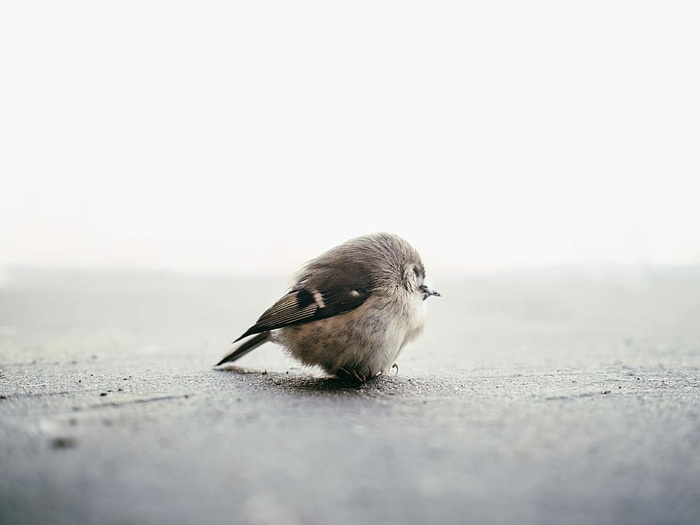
{"type": "Point", "coordinates": [532, 398]}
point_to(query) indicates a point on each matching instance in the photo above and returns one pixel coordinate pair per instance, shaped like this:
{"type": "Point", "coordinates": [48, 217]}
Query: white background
{"type": "Point", "coordinates": [248, 136]}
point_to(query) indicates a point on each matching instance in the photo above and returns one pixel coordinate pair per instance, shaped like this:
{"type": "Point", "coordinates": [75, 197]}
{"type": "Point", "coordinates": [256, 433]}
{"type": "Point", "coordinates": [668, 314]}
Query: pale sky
{"type": "Point", "coordinates": [249, 136]}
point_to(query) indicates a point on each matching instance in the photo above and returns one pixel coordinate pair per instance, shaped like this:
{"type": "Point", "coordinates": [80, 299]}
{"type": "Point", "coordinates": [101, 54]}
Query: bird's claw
{"type": "Point", "coordinates": [356, 375]}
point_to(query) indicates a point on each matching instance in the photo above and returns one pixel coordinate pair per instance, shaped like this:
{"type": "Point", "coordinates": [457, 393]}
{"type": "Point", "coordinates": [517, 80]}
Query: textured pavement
{"type": "Point", "coordinates": [531, 398]}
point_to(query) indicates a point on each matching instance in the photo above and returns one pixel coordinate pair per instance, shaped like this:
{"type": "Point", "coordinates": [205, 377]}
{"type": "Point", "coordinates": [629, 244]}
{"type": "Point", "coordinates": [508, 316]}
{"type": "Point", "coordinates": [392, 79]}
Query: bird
{"type": "Point", "coordinates": [351, 310]}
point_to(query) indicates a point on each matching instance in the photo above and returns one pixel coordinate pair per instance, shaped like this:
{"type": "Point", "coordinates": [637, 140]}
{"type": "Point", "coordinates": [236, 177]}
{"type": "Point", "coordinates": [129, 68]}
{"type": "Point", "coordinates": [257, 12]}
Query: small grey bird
{"type": "Point", "coordinates": [351, 311]}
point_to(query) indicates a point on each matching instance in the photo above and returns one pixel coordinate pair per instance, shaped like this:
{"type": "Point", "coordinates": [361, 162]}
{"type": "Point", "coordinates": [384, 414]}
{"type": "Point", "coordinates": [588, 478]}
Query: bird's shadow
{"type": "Point", "coordinates": [310, 383]}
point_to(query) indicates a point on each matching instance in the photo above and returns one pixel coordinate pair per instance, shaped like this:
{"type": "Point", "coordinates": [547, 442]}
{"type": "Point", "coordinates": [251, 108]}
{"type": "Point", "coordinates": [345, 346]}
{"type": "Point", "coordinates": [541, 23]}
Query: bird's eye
{"type": "Point", "coordinates": [416, 272]}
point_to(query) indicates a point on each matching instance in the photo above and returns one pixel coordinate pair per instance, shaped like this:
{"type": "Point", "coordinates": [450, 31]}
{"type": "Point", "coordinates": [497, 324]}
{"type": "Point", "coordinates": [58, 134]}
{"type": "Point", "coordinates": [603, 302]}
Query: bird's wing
{"type": "Point", "coordinates": [323, 293]}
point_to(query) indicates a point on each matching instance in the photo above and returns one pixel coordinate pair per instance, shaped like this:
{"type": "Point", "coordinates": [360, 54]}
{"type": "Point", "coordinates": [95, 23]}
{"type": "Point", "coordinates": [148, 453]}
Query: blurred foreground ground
{"type": "Point", "coordinates": [564, 397]}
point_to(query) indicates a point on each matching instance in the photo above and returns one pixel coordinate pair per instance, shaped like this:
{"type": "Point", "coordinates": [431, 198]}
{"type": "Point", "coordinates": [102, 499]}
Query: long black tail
{"type": "Point", "coordinates": [245, 347]}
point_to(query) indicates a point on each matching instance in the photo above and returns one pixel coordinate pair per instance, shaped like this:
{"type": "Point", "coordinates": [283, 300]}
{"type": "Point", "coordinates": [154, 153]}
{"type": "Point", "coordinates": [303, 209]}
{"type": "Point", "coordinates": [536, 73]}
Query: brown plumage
{"type": "Point", "coordinates": [351, 310]}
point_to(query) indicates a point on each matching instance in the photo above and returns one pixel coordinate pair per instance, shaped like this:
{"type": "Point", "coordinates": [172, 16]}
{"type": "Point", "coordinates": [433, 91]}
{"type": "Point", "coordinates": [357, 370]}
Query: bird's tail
{"type": "Point", "coordinates": [245, 347]}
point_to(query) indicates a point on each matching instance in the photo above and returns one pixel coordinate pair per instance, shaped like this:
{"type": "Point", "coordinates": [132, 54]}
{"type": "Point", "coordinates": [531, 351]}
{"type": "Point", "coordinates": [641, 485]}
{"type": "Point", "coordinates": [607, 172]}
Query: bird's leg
{"type": "Point", "coordinates": [353, 374]}
{"type": "Point", "coordinates": [359, 376]}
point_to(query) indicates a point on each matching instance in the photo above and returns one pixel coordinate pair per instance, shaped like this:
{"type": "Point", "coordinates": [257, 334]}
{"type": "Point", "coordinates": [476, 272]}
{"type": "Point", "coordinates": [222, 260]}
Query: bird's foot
{"type": "Point", "coordinates": [356, 375]}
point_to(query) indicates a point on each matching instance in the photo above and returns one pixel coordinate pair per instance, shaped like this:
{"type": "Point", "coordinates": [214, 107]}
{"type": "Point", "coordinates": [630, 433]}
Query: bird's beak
{"type": "Point", "coordinates": [427, 291]}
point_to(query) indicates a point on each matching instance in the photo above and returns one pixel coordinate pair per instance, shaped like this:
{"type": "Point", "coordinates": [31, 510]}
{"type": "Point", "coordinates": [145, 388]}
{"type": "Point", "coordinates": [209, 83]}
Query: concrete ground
{"type": "Point", "coordinates": [531, 398]}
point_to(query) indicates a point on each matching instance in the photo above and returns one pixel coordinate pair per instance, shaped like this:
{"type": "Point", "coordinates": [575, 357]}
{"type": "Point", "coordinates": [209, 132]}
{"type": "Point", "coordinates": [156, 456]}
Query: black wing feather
{"type": "Point", "coordinates": [340, 292]}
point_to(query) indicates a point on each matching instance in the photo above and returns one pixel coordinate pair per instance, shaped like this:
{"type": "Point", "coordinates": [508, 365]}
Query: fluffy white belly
{"type": "Point", "coordinates": [367, 339]}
